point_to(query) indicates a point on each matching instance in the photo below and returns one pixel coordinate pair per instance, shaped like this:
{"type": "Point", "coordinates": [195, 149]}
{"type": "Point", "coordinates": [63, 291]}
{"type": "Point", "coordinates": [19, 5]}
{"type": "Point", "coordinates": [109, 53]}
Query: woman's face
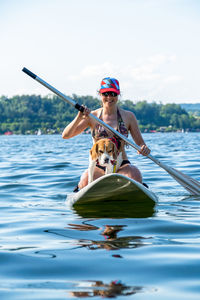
{"type": "Point", "coordinates": [109, 99]}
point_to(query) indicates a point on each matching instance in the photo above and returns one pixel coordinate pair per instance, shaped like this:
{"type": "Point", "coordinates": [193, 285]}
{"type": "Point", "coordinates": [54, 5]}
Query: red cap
{"type": "Point", "coordinates": [109, 84]}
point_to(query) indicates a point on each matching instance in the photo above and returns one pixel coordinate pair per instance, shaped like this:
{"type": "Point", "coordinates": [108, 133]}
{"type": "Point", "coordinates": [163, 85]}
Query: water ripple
{"type": "Point", "coordinates": [48, 251]}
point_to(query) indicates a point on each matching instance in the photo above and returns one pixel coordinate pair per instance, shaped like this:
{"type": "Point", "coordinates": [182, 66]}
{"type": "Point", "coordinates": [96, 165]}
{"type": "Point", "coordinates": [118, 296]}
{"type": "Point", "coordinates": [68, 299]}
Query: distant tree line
{"type": "Point", "coordinates": [28, 113]}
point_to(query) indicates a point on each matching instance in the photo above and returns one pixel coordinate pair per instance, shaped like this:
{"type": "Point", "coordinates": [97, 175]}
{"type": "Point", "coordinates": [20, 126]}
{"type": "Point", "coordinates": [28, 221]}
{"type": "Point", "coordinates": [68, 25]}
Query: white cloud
{"type": "Point", "coordinates": [148, 78]}
{"type": "Point", "coordinates": [94, 70]}
{"type": "Point", "coordinates": [150, 69]}
{"type": "Point", "coordinates": [144, 70]}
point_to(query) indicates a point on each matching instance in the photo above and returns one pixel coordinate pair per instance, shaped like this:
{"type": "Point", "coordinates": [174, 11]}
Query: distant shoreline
{"type": "Point", "coordinates": [49, 115]}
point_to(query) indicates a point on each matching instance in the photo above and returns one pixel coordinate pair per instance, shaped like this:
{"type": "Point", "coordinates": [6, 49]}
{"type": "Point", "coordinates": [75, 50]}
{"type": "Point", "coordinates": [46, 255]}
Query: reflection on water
{"type": "Point", "coordinates": [112, 290]}
{"type": "Point", "coordinates": [111, 240]}
{"type": "Point", "coordinates": [48, 251]}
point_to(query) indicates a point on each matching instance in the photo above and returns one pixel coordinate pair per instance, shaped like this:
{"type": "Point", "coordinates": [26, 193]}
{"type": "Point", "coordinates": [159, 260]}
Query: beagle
{"type": "Point", "coordinates": [105, 153]}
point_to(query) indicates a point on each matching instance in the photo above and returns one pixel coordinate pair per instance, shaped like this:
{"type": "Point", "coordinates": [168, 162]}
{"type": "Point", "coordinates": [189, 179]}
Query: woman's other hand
{"type": "Point", "coordinates": [144, 150]}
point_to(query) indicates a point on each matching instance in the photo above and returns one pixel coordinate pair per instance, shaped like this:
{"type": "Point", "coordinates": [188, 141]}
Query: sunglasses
{"type": "Point", "coordinates": [113, 94]}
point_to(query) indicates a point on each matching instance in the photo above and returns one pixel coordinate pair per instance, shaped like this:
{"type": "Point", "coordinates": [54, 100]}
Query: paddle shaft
{"type": "Point", "coordinates": [193, 189]}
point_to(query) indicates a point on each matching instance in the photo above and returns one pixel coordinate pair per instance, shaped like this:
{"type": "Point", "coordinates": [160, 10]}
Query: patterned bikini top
{"type": "Point", "coordinates": [100, 132]}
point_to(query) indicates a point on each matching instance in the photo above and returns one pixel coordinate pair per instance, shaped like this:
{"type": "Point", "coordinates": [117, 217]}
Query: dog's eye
{"type": "Point", "coordinates": [109, 151]}
{"type": "Point", "coordinates": [100, 151]}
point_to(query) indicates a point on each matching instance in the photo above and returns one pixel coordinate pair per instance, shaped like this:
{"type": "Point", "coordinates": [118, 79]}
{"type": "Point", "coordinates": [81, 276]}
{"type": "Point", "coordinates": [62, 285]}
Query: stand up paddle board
{"type": "Point", "coordinates": [113, 195]}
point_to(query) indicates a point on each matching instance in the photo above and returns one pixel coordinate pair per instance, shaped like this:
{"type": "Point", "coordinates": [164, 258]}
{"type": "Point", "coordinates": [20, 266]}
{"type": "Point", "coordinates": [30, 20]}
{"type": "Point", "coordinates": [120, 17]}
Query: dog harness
{"type": "Point", "coordinates": [113, 162]}
{"type": "Point", "coordinates": [114, 165]}
{"type": "Point", "coordinates": [124, 162]}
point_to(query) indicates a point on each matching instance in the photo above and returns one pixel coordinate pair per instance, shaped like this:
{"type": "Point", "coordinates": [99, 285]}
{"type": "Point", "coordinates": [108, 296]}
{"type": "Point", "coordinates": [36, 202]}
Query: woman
{"type": "Point", "coordinates": [122, 120]}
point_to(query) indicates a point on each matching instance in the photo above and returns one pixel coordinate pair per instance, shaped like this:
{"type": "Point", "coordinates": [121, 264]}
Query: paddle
{"type": "Point", "coordinates": [190, 184]}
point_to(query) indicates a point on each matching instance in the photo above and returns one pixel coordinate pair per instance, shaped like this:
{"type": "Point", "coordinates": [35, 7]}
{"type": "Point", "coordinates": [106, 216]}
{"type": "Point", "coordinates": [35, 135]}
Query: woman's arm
{"type": "Point", "coordinates": [78, 125]}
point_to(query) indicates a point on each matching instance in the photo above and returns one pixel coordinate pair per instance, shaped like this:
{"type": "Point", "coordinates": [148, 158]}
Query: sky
{"type": "Point", "coordinates": [151, 46]}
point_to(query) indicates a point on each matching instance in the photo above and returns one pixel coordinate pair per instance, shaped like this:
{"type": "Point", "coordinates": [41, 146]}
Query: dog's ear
{"type": "Point", "coordinates": [94, 152]}
{"type": "Point", "coordinates": [97, 148]}
{"type": "Point", "coordinates": [114, 150]}
{"type": "Point", "coordinates": [122, 144]}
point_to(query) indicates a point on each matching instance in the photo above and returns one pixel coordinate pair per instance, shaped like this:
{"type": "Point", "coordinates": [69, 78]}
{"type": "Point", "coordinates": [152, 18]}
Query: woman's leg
{"type": "Point", "coordinates": [126, 170]}
{"type": "Point", "coordinates": [84, 177]}
{"type": "Point", "coordinates": [130, 171]}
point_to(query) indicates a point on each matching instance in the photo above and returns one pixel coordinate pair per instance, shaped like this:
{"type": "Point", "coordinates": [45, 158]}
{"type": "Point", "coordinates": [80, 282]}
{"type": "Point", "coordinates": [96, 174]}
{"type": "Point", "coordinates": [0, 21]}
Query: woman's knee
{"type": "Point", "coordinates": [132, 172]}
{"type": "Point", "coordinates": [84, 177]}
{"type": "Point", "coordinates": [83, 180]}
{"type": "Point", "coordinates": [138, 176]}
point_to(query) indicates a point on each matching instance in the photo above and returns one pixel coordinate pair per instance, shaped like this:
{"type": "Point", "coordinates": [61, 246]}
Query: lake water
{"type": "Point", "coordinates": [48, 251]}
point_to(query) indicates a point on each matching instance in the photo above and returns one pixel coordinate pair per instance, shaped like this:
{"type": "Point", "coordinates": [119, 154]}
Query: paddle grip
{"type": "Point", "coordinates": [79, 107]}
{"type": "Point", "coordinates": [25, 70]}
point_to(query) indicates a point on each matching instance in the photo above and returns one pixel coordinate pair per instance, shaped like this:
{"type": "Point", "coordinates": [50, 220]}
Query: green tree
{"type": "Point", "coordinates": [28, 113]}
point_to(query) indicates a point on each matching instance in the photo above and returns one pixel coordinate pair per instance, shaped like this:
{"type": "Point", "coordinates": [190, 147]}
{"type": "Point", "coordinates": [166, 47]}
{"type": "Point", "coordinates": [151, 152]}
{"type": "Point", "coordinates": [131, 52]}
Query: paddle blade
{"type": "Point", "coordinates": [190, 184]}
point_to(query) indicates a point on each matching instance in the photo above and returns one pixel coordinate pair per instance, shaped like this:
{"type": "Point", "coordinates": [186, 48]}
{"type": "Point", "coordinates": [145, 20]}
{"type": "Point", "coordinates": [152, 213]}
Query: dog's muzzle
{"type": "Point", "coordinates": [106, 160]}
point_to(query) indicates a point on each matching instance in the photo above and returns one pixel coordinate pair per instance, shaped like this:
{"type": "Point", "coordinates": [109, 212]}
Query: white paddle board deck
{"type": "Point", "coordinates": [112, 193]}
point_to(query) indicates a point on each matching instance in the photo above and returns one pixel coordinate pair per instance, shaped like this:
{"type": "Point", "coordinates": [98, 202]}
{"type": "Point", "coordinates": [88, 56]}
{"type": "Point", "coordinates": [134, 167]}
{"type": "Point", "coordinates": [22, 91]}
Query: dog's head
{"type": "Point", "coordinates": [105, 151]}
